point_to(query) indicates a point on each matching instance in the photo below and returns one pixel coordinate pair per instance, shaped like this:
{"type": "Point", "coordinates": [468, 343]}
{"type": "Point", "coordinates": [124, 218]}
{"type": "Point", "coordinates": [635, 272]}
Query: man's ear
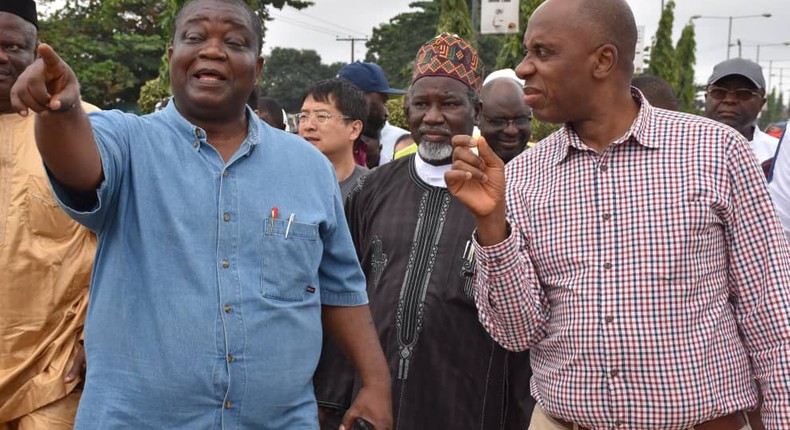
{"type": "Point", "coordinates": [259, 66]}
{"type": "Point", "coordinates": [356, 129]}
{"type": "Point", "coordinates": [476, 110]}
{"type": "Point", "coordinates": [606, 59]}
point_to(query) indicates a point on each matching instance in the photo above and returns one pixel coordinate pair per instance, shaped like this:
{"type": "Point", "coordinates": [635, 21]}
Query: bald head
{"type": "Point", "coordinates": [505, 120]}
{"type": "Point", "coordinates": [602, 22]}
{"type": "Point", "coordinates": [615, 24]}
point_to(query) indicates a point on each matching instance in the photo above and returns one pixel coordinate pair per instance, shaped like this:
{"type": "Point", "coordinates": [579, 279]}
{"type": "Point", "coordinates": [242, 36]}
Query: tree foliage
{"type": "Point", "coordinates": [774, 110]}
{"type": "Point", "coordinates": [393, 45]}
{"type": "Point", "coordinates": [685, 58]}
{"type": "Point", "coordinates": [454, 19]}
{"type": "Point", "coordinates": [662, 52]}
{"type": "Point", "coordinates": [289, 72]}
{"type": "Point", "coordinates": [115, 51]}
{"type": "Point", "coordinates": [512, 48]}
{"type": "Point", "coordinates": [115, 46]}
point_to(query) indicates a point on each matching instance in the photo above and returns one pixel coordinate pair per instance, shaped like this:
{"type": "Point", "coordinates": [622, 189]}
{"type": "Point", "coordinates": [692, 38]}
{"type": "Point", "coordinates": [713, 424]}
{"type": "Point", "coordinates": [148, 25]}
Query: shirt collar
{"type": "Point", "coordinates": [641, 131]}
{"type": "Point", "coordinates": [183, 125]}
{"type": "Point", "coordinates": [430, 174]}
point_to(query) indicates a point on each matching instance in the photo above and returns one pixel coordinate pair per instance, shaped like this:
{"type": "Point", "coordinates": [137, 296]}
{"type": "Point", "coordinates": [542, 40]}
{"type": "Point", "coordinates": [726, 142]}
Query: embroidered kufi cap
{"type": "Point", "coordinates": [451, 56]}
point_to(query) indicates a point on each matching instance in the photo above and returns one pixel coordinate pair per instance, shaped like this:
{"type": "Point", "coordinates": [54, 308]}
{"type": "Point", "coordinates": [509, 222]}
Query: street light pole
{"type": "Point", "coordinates": [729, 25]}
{"type": "Point", "coordinates": [729, 38]}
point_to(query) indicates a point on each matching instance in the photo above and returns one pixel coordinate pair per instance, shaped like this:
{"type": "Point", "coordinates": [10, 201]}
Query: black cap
{"type": "Point", "coordinates": [25, 9]}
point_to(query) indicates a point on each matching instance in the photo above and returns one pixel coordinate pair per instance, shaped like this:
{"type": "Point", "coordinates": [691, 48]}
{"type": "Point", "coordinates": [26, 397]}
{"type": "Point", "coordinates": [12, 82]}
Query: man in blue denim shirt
{"type": "Point", "coordinates": [222, 245]}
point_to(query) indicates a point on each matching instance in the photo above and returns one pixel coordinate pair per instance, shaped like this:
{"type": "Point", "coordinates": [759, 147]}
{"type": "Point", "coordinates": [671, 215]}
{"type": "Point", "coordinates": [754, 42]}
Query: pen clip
{"type": "Point", "coordinates": [469, 251]}
{"type": "Point", "coordinates": [290, 221]}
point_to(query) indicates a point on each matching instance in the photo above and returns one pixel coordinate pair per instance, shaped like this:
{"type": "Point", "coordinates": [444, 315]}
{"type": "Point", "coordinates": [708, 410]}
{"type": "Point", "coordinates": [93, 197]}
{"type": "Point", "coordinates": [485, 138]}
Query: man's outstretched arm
{"type": "Point", "coordinates": [63, 131]}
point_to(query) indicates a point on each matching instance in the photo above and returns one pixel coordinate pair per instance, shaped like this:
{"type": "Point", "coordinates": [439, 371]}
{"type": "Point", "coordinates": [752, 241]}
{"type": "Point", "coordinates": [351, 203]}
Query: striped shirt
{"type": "Point", "coordinates": [650, 280]}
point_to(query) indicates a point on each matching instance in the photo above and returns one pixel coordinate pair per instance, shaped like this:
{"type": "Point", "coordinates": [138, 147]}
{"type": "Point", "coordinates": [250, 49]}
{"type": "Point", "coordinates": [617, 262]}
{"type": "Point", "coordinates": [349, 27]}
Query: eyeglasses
{"type": "Point", "coordinates": [320, 117]}
{"type": "Point", "coordinates": [741, 94]}
{"type": "Point", "coordinates": [503, 123]}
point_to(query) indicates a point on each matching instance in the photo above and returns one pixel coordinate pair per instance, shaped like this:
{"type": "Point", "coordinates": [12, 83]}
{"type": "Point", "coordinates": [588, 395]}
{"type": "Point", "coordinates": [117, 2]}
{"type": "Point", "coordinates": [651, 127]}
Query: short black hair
{"type": "Point", "coordinates": [255, 21]}
{"type": "Point", "coordinates": [273, 108]}
{"type": "Point", "coordinates": [657, 91]}
{"type": "Point", "coordinates": [344, 95]}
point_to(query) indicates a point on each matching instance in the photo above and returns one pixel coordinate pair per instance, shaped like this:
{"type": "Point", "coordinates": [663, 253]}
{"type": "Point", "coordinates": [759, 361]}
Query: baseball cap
{"type": "Point", "coordinates": [368, 77]}
{"type": "Point", "coordinates": [738, 66]}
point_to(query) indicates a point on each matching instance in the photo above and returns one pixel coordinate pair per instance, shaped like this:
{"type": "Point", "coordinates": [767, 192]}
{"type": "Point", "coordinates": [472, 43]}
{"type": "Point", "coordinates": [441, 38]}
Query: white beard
{"type": "Point", "coordinates": [432, 151]}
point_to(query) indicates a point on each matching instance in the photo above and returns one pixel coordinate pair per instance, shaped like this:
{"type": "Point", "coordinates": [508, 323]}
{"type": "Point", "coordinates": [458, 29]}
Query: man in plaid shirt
{"type": "Point", "coordinates": [636, 251]}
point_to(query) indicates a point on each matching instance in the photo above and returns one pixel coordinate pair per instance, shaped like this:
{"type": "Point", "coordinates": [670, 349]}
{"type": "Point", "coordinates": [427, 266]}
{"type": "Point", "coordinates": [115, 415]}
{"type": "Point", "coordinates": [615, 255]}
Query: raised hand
{"type": "Point", "coordinates": [478, 181]}
{"type": "Point", "coordinates": [48, 84]}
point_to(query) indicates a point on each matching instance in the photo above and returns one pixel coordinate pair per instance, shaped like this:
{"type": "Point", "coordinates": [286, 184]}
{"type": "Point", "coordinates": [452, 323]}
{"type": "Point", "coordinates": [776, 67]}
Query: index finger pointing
{"type": "Point", "coordinates": [49, 56]}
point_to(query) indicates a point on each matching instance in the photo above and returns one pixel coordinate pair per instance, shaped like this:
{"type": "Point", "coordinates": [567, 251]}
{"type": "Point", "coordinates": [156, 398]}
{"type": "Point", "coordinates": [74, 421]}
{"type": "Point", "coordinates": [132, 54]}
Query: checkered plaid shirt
{"type": "Point", "coordinates": [652, 281]}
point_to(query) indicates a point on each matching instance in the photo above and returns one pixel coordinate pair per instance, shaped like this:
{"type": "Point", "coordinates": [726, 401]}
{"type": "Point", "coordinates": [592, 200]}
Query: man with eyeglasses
{"type": "Point", "coordinates": [505, 118]}
{"type": "Point", "coordinates": [735, 96]}
{"type": "Point", "coordinates": [332, 118]}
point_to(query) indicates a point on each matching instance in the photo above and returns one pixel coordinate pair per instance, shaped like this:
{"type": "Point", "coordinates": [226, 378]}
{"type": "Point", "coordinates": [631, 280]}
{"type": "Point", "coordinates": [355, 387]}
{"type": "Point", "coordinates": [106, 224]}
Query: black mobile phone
{"type": "Point", "coordinates": [362, 424]}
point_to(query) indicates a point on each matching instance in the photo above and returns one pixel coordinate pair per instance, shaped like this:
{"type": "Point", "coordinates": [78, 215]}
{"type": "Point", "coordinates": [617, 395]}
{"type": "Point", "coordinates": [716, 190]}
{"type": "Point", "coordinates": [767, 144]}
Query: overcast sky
{"type": "Point", "coordinates": [319, 26]}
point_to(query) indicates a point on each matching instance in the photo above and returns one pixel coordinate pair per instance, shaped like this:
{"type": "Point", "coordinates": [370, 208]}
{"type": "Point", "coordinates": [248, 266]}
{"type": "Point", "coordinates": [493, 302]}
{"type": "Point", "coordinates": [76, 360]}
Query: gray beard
{"type": "Point", "coordinates": [432, 151]}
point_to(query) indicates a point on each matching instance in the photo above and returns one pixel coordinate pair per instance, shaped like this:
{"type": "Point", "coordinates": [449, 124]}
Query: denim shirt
{"type": "Point", "coordinates": [205, 311]}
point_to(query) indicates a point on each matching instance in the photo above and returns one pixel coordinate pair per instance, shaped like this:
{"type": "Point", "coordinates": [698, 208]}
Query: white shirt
{"type": "Point", "coordinates": [430, 174]}
{"type": "Point", "coordinates": [780, 183]}
{"type": "Point", "coordinates": [763, 145]}
{"type": "Point", "coordinates": [389, 135]}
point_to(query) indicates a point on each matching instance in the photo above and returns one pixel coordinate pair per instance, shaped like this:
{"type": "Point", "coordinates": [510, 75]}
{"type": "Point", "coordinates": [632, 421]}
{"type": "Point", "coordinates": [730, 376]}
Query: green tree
{"type": "Point", "coordinates": [767, 115]}
{"type": "Point", "coordinates": [512, 48]}
{"type": "Point", "coordinates": [454, 18]}
{"type": "Point", "coordinates": [115, 51]}
{"type": "Point", "coordinates": [662, 52]}
{"type": "Point", "coordinates": [393, 45]}
{"type": "Point", "coordinates": [120, 44]}
{"type": "Point", "coordinates": [289, 72]}
{"type": "Point", "coordinates": [685, 58]}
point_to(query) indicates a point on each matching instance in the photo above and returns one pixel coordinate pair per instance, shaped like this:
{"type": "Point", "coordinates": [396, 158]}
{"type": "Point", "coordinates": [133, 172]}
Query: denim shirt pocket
{"type": "Point", "coordinates": [290, 260]}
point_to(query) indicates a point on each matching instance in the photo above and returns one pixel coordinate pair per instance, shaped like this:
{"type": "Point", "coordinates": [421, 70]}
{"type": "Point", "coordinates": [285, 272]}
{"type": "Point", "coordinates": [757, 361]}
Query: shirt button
{"type": "Point", "coordinates": [604, 167]}
{"type": "Point", "coordinates": [225, 173]}
{"type": "Point", "coordinates": [227, 308]}
{"type": "Point", "coordinates": [230, 358]}
{"type": "Point", "coordinates": [609, 318]}
{"type": "Point", "coordinates": [606, 217]}
{"type": "Point", "coordinates": [614, 373]}
{"type": "Point", "coordinates": [199, 133]}
{"type": "Point", "coordinates": [195, 144]}
{"type": "Point", "coordinates": [618, 423]}
{"type": "Point", "coordinates": [226, 217]}
{"type": "Point", "coordinates": [225, 264]}
{"type": "Point", "coordinates": [228, 404]}
{"type": "Point", "coordinates": [607, 266]}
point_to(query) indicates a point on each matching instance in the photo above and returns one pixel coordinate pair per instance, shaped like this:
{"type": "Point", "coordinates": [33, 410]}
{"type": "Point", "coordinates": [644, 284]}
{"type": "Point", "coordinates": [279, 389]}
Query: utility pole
{"type": "Point", "coordinates": [352, 40]}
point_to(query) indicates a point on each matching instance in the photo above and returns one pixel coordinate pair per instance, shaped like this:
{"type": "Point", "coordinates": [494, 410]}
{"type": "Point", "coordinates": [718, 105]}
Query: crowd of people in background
{"type": "Point", "coordinates": [222, 263]}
